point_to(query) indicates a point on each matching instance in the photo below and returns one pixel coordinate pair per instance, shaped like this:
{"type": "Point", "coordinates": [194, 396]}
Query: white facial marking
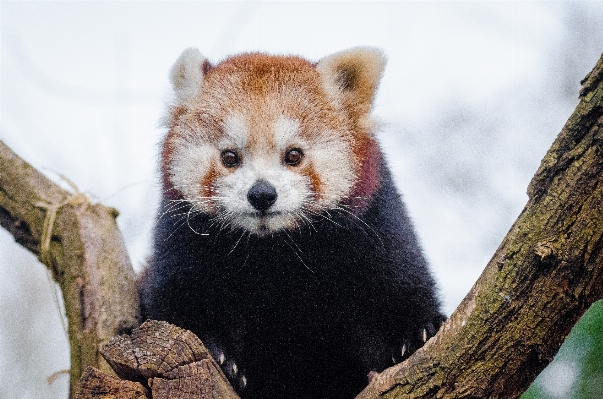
{"type": "Point", "coordinates": [291, 189]}
{"type": "Point", "coordinates": [190, 161]}
{"type": "Point", "coordinates": [236, 129]}
{"type": "Point", "coordinates": [330, 158]}
{"type": "Point", "coordinates": [326, 152]}
{"type": "Point", "coordinates": [285, 129]}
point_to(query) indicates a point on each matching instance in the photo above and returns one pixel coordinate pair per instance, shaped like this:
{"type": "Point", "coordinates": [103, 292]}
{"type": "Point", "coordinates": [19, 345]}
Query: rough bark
{"type": "Point", "coordinates": [81, 245]}
{"type": "Point", "coordinates": [545, 274]}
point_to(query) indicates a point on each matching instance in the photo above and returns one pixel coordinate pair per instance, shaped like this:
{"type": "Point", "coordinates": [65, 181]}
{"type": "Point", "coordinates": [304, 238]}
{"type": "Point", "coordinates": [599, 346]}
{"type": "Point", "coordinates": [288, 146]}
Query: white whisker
{"type": "Point", "coordinates": [189, 224]}
{"type": "Point", "coordinates": [295, 252]}
{"type": "Point", "coordinates": [355, 218]}
{"type": "Point", "coordinates": [237, 243]}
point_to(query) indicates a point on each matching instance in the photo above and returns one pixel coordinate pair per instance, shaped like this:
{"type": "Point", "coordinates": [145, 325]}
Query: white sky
{"type": "Point", "coordinates": [473, 95]}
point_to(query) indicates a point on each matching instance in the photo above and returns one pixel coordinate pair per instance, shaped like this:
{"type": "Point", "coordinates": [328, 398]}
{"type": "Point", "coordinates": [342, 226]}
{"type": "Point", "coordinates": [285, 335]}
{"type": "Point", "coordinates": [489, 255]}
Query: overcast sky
{"type": "Point", "coordinates": [472, 97]}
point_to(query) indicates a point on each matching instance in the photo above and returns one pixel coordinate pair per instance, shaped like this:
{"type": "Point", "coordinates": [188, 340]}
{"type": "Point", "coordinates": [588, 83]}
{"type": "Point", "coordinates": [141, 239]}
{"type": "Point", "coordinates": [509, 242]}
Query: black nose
{"type": "Point", "coordinates": [262, 195]}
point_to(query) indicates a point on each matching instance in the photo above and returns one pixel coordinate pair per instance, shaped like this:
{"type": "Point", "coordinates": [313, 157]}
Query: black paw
{"type": "Point", "coordinates": [232, 369]}
{"type": "Point", "coordinates": [409, 345]}
{"type": "Point", "coordinates": [402, 352]}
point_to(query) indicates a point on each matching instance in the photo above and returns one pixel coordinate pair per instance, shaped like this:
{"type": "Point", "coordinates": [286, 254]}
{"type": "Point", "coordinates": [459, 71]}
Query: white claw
{"type": "Point", "coordinates": [424, 335]}
{"type": "Point", "coordinates": [403, 350]}
{"type": "Point", "coordinates": [243, 381]}
{"type": "Point", "coordinates": [235, 369]}
{"type": "Point", "coordinates": [393, 359]}
{"type": "Point", "coordinates": [221, 359]}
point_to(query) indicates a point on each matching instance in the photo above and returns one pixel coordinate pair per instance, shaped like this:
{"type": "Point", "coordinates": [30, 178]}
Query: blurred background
{"type": "Point", "coordinates": [473, 95]}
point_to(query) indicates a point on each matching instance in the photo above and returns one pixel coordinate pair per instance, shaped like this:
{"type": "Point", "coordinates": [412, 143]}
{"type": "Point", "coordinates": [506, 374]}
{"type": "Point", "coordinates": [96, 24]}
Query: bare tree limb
{"type": "Point", "coordinates": [545, 274]}
{"type": "Point", "coordinates": [81, 245]}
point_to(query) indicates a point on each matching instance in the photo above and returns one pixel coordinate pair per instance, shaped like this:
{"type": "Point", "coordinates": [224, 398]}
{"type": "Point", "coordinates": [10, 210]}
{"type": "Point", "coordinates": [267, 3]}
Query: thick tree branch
{"type": "Point", "coordinates": [80, 243]}
{"type": "Point", "coordinates": [545, 274]}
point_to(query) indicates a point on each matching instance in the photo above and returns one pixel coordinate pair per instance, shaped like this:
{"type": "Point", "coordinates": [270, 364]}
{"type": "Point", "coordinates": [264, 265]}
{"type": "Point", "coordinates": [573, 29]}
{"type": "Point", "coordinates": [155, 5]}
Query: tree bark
{"type": "Point", "coordinates": [80, 243]}
{"type": "Point", "coordinates": [545, 274]}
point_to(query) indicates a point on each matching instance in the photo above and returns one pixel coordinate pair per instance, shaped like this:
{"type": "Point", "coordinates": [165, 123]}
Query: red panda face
{"type": "Point", "coordinates": [265, 143]}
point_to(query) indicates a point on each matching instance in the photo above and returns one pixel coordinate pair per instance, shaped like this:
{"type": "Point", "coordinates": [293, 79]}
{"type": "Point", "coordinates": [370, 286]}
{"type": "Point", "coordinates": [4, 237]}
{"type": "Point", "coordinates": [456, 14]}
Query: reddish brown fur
{"type": "Point", "coordinates": [166, 155]}
{"type": "Point", "coordinates": [252, 78]}
{"type": "Point", "coordinates": [368, 180]}
{"type": "Point", "coordinates": [315, 183]}
{"type": "Point", "coordinates": [208, 182]}
{"type": "Point", "coordinates": [265, 86]}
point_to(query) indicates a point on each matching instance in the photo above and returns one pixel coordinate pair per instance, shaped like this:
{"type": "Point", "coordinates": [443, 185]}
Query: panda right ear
{"type": "Point", "coordinates": [187, 74]}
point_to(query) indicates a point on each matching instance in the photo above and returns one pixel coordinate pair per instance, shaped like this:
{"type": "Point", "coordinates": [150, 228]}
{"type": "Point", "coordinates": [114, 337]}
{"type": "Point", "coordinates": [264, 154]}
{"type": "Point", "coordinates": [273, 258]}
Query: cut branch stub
{"type": "Point", "coordinates": [153, 349]}
{"type": "Point", "coordinates": [172, 361]}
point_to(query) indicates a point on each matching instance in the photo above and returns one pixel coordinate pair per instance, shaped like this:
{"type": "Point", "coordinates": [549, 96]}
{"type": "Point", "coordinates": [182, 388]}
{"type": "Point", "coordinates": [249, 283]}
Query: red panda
{"type": "Point", "coordinates": [282, 241]}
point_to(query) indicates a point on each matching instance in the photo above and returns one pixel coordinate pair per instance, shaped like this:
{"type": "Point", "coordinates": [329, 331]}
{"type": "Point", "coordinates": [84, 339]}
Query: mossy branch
{"type": "Point", "coordinates": [81, 245]}
{"type": "Point", "coordinates": [545, 274]}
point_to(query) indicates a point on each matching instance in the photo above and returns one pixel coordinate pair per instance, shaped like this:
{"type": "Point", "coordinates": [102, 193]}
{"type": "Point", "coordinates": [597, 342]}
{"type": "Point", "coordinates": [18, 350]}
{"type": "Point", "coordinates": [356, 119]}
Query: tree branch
{"type": "Point", "coordinates": [81, 245]}
{"type": "Point", "coordinates": [545, 274]}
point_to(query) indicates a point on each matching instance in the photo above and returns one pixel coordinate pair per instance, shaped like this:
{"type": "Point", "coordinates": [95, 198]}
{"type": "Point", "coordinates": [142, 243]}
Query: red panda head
{"type": "Point", "coordinates": [265, 143]}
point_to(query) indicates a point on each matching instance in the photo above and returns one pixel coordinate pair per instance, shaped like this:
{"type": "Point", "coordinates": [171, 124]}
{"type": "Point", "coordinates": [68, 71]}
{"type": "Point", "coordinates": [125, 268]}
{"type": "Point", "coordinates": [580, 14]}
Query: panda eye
{"type": "Point", "coordinates": [230, 158]}
{"type": "Point", "coordinates": [293, 157]}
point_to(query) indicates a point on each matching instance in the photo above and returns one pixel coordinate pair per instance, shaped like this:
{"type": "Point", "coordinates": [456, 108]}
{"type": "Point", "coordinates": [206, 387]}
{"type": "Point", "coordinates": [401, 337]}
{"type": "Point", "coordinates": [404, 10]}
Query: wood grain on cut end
{"type": "Point", "coordinates": [154, 349]}
{"type": "Point", "coordinates": [171, 361]}
{"type": "Point", "coordinates": [97, 385]}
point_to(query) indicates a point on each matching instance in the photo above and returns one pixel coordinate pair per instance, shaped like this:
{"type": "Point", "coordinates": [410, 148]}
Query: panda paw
{"type": "Point", "coordinates": [230, 368]}
{"type": "Point", "coordinates": [408, 346]}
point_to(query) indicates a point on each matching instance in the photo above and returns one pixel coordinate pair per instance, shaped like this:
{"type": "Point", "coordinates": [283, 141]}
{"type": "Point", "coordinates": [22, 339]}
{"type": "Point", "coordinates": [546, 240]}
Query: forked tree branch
{"type": "Point", "coordinates": [545, 274]}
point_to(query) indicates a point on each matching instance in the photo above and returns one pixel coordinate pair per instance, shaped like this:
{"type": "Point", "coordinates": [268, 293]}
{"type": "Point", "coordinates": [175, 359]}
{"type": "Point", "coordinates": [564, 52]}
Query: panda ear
{"type": "Point", "coordinates": [187, 74]}
{"type": "Point", "coordinates": [351, 78]}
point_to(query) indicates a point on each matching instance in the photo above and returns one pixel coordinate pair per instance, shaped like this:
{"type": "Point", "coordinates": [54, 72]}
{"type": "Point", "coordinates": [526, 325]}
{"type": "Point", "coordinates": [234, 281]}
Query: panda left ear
{"type": "Point", "coordinates": [351, 78]}
{"type": "Point", "coordinates": [187, 74]}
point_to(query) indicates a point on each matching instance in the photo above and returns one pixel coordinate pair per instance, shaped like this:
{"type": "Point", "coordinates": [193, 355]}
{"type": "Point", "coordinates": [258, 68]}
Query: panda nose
{"type": "Point", "coordinates": [262, 195]}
